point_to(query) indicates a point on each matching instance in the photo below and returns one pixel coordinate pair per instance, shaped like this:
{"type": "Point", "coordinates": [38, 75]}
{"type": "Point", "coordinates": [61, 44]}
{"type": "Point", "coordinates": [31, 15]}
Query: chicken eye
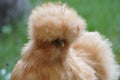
{"type": "Point", "coordinates": [58, 42]}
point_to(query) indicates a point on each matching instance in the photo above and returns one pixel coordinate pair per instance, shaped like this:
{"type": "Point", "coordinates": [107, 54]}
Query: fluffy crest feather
{"type": "Point", "coordinates": [57, 21]}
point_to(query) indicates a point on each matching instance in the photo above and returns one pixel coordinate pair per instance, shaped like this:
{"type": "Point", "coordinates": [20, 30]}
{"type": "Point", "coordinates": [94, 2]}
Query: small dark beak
{"type": "Point", "coordinates": [59, 42]}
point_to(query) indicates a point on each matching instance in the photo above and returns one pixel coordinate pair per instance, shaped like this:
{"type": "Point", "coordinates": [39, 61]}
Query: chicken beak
{"type": "Point", "coordinates": [59, 42]}
{"type": "Point", "coordinates": [62, 44]}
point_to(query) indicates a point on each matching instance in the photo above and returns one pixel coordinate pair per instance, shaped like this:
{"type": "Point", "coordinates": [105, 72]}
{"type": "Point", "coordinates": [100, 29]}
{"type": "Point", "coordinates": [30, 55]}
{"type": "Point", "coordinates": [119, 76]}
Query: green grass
{"type": "Point", "coordinates": [101, 15]}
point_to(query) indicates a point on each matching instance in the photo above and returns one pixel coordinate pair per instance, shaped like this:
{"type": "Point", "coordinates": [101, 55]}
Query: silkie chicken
{"type": "Point", "coordinates": [60, 48]}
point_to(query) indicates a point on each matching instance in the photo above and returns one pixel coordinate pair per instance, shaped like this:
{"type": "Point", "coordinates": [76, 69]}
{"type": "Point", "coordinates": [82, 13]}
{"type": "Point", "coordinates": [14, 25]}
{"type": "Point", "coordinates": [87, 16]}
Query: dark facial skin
{"type": "Point", "coordinates": [59, 42]}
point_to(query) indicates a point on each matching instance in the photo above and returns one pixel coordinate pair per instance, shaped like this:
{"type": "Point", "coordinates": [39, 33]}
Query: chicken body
{"type": "Point", "coordinates": [61, 49]}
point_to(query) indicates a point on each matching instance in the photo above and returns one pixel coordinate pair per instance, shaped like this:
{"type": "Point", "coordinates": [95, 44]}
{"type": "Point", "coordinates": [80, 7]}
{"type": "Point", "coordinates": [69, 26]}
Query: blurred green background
{"type": "Point", "coordinates": [101, 15]}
